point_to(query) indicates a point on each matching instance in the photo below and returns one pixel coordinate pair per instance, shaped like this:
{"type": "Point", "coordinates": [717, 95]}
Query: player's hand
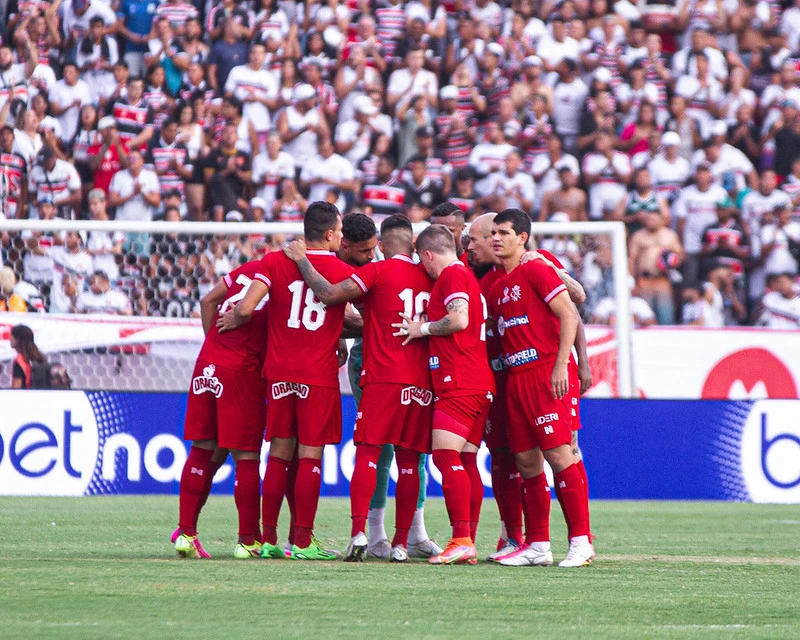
{"type": "Point", "coordinates": [295, 250]}
{"type": "Point", "coordinates": [341, 352]}
{"type": "Point", "coordinates": [227, 321]}
{"type": "Point", "coordinates": [585, 376]}
{"type": "Point", "coordinates": [408, 328]}
{"type": "Point", "coordinates": [535, 255]}
{"type": "Point", "coordinates": [560, 381]}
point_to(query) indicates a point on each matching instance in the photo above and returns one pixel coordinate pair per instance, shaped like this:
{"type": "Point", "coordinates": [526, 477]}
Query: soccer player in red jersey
{"type": "Point", "coordinates": [506, 479]}
{"type": "Point", "coordinates": [225, 411]}
{"type": "Point", "coordinates": [301, 368]}
{"type": "Point", "coordinates": [537, 324]}
{"type": "Point", "coordinates": [397, 402]}
{"type": "Point", "coordinates": [462, 382]}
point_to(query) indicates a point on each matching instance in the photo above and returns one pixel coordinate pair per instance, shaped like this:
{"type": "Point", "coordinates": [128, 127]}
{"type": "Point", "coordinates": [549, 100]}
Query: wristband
{"type": "Point", "coordinates": [425, 329]}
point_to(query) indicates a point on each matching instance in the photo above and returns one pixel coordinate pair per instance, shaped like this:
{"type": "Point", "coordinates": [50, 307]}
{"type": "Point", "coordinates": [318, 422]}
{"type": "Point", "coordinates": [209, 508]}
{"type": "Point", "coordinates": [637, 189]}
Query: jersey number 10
{"type": "Point", "coordinates": [414, 307]}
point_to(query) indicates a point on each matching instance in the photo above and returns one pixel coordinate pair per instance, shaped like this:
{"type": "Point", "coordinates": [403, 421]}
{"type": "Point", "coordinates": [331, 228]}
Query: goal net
{"type": "Point", "coordinates": [145, 334]}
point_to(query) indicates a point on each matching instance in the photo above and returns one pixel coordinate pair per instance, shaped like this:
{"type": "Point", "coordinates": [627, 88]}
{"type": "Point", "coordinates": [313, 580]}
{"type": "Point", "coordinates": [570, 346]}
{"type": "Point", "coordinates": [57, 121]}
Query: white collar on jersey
{"type": "Point", "coordinates": [319, 252]}
{"type": "Point", "coordinates": [400, 256]}
{"type": "Point", "coordinates": [456, 263]}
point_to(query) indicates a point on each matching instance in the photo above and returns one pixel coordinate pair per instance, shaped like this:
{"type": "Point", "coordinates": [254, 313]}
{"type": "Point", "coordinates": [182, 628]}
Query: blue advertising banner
{"type": "Point", "coordinates": [89, 443]}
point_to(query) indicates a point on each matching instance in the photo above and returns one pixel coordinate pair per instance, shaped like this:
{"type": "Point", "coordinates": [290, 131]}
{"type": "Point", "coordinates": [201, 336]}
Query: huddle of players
{"type": "Point", "coordinates": [427, 385]}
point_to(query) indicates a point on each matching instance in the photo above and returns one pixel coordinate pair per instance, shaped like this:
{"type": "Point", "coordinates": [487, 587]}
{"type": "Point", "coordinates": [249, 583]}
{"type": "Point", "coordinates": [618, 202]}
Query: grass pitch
{"type": "Point", "coordinates": [103, 567]}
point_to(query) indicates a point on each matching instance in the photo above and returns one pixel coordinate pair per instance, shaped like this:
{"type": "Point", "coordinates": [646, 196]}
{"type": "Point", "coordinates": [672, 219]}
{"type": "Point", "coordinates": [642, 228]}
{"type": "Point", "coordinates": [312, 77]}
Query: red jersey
{"type": "Point", "coordinates": [303, 332]}
{"type": "Point", "coordinates": [493, 347]}
{"type": "Point", "coordinates": [458, 362]}
{"type": "Point", "coordinates": [244, 348]}
{"type": "Point", "coordinates": [392, 287]}
{"type": "Point", "coordinates": [528, 329]}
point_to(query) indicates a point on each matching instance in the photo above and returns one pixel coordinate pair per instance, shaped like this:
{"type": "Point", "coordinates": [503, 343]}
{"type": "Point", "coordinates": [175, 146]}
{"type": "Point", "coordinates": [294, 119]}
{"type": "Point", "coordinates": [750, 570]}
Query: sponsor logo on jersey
{"type": "Point", "coordinates": [283, 389]}
{"type": "Point", "coordinates": [516, 321]}
{"type": "Point", "coordinates": [207, 382]}
{"type": "Point", "coordinates": [433, 362]}
{"type": "Point", "coordinates": [420, 396]}
{"type": "Point", "coordinates": [521, 357]}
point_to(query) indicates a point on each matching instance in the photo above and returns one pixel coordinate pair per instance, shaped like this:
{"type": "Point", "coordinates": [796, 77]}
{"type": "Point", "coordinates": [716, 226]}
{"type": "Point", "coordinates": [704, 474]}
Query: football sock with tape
{"type": "Point", "coordinates": [272, 491]}
{"type": "Point", "coordinates": [194, 478]}
{"type": "Point", "coordinates": [306, 499]}
{"type": "Point", "coordinates": [246, 490]}
{"type": "Point", "coordinates": [362, 485]}
{"type": "Point", "coordinates": [406, 494]}
{"type": "Point", "coordinates": [536, 498]}
{"type": "Point", "coordinates": [574, 502]}
{"type": "Point", "coordinates": [456, 489]}
{"type": "Point", "coordinates": [470, 461]}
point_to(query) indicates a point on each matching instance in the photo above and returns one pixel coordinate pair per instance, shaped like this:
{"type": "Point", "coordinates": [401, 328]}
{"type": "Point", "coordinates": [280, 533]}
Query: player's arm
{"type": "Point", "coordinates": [242, 312]}
{"type": "Point", "coordinates": [327, 293]}
{"type": "Point", "coordinates": [584, 372]}
{"type": "Point", "coordinates": [353, 324]}
{"type": "Point", "coordinates": [564, 310]}
{"type": "Point", "coordinates": [457, 319]}
{"type": "Point", "coordinates": [209, 305]}
{"type": "Point", "coordinates": [575, 289]}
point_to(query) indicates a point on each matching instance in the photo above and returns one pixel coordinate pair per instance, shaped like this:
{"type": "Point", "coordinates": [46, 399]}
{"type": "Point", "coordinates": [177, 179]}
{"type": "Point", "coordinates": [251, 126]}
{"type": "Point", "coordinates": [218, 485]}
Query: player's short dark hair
{"type": "Point", "coordinates": [446, 209]}
{"type": "Point", "coordinates": [396, 222]}
{"type": "Point", "coordinates": [520, 221]}
{"type": "Point", "coordinates": [357, 227]}
{"type": "Point", "coordinates": [97, 19]}
{"type": "Point", "coordinates": [320, 217]}
{"type": "Point", "coordinates": [437, 239]}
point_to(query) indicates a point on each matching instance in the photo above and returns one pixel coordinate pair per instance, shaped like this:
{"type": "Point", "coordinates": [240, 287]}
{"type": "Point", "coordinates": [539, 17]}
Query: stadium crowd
{"type": "Point", "coordinates": [681, 119]}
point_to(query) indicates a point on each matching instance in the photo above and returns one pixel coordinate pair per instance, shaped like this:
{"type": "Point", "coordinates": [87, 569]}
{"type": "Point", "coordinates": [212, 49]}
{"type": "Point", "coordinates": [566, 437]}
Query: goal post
{"type": "Point", "coordinates": [166, 333]}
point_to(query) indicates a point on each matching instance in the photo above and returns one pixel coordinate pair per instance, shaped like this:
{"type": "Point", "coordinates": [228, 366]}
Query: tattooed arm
{"type": "Point", "coordinates": [457, 319]}
{"type": "Point", "coordinates": [574, 288]}
{"type": "Point", "coordinates": [326, 292]}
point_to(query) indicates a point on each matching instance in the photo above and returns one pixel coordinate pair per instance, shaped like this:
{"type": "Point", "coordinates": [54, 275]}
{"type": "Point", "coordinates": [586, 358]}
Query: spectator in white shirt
{"type": "Point", "coordinates": [327, 172]}
{"type": "Point", "coordinates": [569, 98]}
{"type": "Point", "coordinates": [101, 298]}
{"type": "Point", "coordinates": [136, 195]}
{"type": "Point", "coordinates": [780, 306]}
{"type": "Point", "coordinates": [669, 171]}
{"type": "Point", "coordinates": [412, 80]}
{"type": "Point", "coordinates": [514, 185]}
{"type": "Point", "coordinates": [256, 88]}
{"type": "Point", "coordinates": [607, 173]}
{"type": "Point", "coordinates": [103, 246]}
{"type": "Point", "coordinates": [71, 266]}
{"type": "Point", "coordinates": [269, 167]}
{"type": "Point", "coordinates": [67, 97]}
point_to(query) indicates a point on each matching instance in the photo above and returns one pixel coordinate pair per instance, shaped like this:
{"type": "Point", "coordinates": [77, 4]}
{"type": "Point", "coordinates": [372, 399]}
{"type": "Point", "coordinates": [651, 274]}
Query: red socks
{"type": "Point", "coordinates": [456, 489]}
{"type": "Point", "coordinates": [306, 498]}
{"type": "Point", "coordinates": [362, 485]}
{"type": "Point", "coordinates": [195, 485]}
{"type": "Point", "coordinates": [536, 496]}
{"type": "Point", "coordinates": [246, 490]}
{"type": "Point", "coordinates": [507, 487]}
{"type": "Point", "coordinates": [406, 493]}
{"type": "Point", "coordinates": [213, 467]}
{"type": "Point", "coordinates": [470, 461]}
{"type": "Point", "coordinates": [574, 501]}
{"type": "Point", "coordinates": [272, 492]}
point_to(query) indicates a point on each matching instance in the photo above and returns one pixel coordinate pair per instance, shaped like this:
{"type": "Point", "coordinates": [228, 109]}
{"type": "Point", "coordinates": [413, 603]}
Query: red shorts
{"type": "Point", "coordinates": [496, 433]}
{"type": "Point", "coordinates": [536, 419]}
{"type": "Point", "coordinates": [464, 415]}
{"type": "Point", "coordinates": [227, 406]}
{"type": "Point", "coordinates": [312, 414]}
{"type": "Point", "coordinates": [574, 395]}
{"type": "Point", "coordinates": [397, 414]}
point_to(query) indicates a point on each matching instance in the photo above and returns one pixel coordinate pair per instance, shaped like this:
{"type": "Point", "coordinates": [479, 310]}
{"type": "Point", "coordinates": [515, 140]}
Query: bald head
{"type": "Point", "coordinates": [480, 241]}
